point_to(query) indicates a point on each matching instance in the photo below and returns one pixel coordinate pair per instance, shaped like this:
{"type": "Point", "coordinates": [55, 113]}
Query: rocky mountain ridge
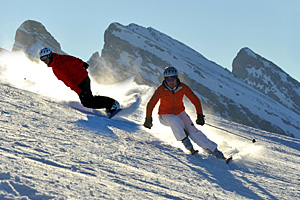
{"type": "Point", "coordinates": [31, 36]}
{"type": "Point", "coordinates": [268, 78]}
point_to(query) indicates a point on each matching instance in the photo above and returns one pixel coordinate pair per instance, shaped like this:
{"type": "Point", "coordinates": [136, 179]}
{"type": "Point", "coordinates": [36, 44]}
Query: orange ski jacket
{"type": "Point", "coordinates": [69, 70]}
{"type": "Point", "coordinates": [171, 102]}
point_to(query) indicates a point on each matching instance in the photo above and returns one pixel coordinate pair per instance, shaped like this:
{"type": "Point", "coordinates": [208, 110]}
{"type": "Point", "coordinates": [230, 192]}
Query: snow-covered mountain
{"type": "Point", "coordinates": [268, 78]}
{"type": "Point", "coordinates": [51, 151]}
{"type": "Point", "coordinates": [31, 36]}
{"type": "Point", "coordinates": [142, 53]}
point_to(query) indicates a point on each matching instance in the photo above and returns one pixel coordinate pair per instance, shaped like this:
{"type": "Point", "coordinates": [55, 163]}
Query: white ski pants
{"type": "Point", "coordinates": [181, 123]}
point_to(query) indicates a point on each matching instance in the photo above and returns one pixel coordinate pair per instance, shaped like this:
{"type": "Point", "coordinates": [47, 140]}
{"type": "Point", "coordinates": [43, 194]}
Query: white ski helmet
{"type": "Point", "coordinates": [170, 71]}
{"type": "Point", "coordinates": [45, 52]}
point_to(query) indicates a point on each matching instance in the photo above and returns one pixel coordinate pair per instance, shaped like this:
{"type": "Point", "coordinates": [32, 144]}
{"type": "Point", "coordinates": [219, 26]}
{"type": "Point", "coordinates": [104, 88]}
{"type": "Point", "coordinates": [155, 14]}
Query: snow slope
{"type": "Point", "coordinates": [51, 151]}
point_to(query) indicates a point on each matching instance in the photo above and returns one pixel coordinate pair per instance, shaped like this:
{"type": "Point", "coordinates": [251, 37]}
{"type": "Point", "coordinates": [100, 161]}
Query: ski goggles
{"type": "Point", "coordinates": [171, 79]}
{"type": "Point", "coordinates": [43, 58]}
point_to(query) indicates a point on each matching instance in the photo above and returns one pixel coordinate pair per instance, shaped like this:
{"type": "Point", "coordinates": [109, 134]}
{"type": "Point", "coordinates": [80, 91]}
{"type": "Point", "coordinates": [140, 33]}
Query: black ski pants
{"type": "Point", "coordinates": [89, 100]}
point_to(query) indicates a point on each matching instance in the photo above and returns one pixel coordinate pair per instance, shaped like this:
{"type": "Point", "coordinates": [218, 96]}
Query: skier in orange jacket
{"type": "Point", "coordinates": [72, 72]}
{"type": "Point", "coordinates": [172, 113]}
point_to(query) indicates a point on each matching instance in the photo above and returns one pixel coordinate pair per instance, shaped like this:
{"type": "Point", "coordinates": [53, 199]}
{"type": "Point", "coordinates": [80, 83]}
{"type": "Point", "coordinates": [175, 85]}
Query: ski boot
{"type": "Point", "coordinates": [218, 154]}
{"type": "Point", "coordinates": [113, 110]}
{"type": "Point", "coordinates": [188, 145]}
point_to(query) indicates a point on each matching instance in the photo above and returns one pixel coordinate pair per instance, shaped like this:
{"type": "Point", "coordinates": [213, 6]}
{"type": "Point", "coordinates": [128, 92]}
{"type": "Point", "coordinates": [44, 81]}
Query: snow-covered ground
{"type": "Point", "coordinates": [49, 150]}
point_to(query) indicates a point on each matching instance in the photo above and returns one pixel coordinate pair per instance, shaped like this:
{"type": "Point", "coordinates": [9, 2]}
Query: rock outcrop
{"type": "Point", "coordinates": [31, 36]}
{"type": "Point", "coordinates": [268, 78]}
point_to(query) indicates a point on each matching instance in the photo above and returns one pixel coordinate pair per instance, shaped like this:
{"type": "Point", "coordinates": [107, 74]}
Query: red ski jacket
{"type": "Point", "coordinates": [172, 102]}
{"type": "Point", "coordinates": [69, 70]}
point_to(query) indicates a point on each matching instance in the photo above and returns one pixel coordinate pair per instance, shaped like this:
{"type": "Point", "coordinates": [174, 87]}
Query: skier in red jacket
{"type": "Point", "coordinates": [172, 113]}
{"type": "Point", "coordinates": [72, 72]}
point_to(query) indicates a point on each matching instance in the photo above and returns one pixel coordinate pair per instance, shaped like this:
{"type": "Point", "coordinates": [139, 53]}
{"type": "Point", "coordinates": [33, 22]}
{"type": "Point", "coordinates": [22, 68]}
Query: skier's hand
{"type": "Point", "coordinates": [85, 65]}
{"type": "Point", "coordinates": [148, 122]}
{"type": "Point", "coordinates": [200, 119]}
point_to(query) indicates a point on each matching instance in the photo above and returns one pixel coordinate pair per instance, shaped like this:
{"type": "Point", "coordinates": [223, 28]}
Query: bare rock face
{"type": "Point", "coordinates": [126, 59]}
{"type": "Point", "coordinates": [31, 36]}
{"type": "Point", "coordinates": [268, 78]}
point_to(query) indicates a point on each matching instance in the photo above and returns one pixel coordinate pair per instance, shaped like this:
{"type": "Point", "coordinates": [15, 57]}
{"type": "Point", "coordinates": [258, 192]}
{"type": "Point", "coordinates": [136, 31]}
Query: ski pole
{"type": "Point", "coordinates": [253, 140]}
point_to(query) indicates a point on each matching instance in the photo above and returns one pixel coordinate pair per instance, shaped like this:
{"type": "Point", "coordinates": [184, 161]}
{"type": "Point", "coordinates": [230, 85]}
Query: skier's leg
{"type": "Point", "coordinates": [177, 127]}
{"type": "Point", "coordinates": [175, 123]}
{"type": "Point", "coordinates": [88, 100]}
{"type": "Point", "coordinates": [196, 135]}
{"type": "Point", "coordinates": [98, 102]}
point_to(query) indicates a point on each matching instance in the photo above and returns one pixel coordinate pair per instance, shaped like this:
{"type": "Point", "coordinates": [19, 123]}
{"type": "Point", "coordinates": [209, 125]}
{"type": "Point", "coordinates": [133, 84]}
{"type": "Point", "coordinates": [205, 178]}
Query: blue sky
{"type": "Point", "coordinates": [216, 29]}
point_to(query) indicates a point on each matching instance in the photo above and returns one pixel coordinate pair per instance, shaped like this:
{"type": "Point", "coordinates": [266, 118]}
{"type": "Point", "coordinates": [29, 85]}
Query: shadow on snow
{"type": "Point", "coordinates": [216, 172]}
{"type": "Point", "coordinates": [103, 125]}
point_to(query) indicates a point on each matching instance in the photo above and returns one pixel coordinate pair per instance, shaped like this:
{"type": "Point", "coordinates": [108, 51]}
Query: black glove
{"type": "Point", "coordinates": [148, 122]}
{"type": "Point", "coordinates": [200, 119]}
{"type": "Point", "coordinates": [85, 65]}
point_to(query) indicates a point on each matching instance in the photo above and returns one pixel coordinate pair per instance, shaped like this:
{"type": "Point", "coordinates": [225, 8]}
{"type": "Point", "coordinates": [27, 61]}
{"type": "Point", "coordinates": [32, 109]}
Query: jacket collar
{"type": "Point", "coordinates": [175, 89]}
{"type": "Point", "coordinates": [53, 59]}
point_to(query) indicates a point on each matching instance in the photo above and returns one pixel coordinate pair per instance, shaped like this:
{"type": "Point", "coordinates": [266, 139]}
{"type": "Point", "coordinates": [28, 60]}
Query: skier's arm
{"type": "Point", "coordinates": [197, 103]}
{"type": "Point", "coordinates": [73, 66]}
{"type": "Point", "coordinates": [194, 99]}
{"type": "Point", "coordinates": [152, 102]}
{"type": "Point", "coordinates": [150, 106]}
{"type": "Point", "coordinates": [68, 82]}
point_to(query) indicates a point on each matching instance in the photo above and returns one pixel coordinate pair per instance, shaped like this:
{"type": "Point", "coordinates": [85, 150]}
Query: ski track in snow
{"type": "Point", "coordinates": [51, 151]}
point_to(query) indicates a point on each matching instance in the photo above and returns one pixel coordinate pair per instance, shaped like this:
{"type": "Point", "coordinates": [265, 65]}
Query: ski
{"type": "Point", "coordinates": [228, 160]}
{"type": "Point", "coordinates": [77, 106]}
{"type": "Point", "coordinates": [194, 152]}
{"type": "Point", "coordinates": [110, 115]}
